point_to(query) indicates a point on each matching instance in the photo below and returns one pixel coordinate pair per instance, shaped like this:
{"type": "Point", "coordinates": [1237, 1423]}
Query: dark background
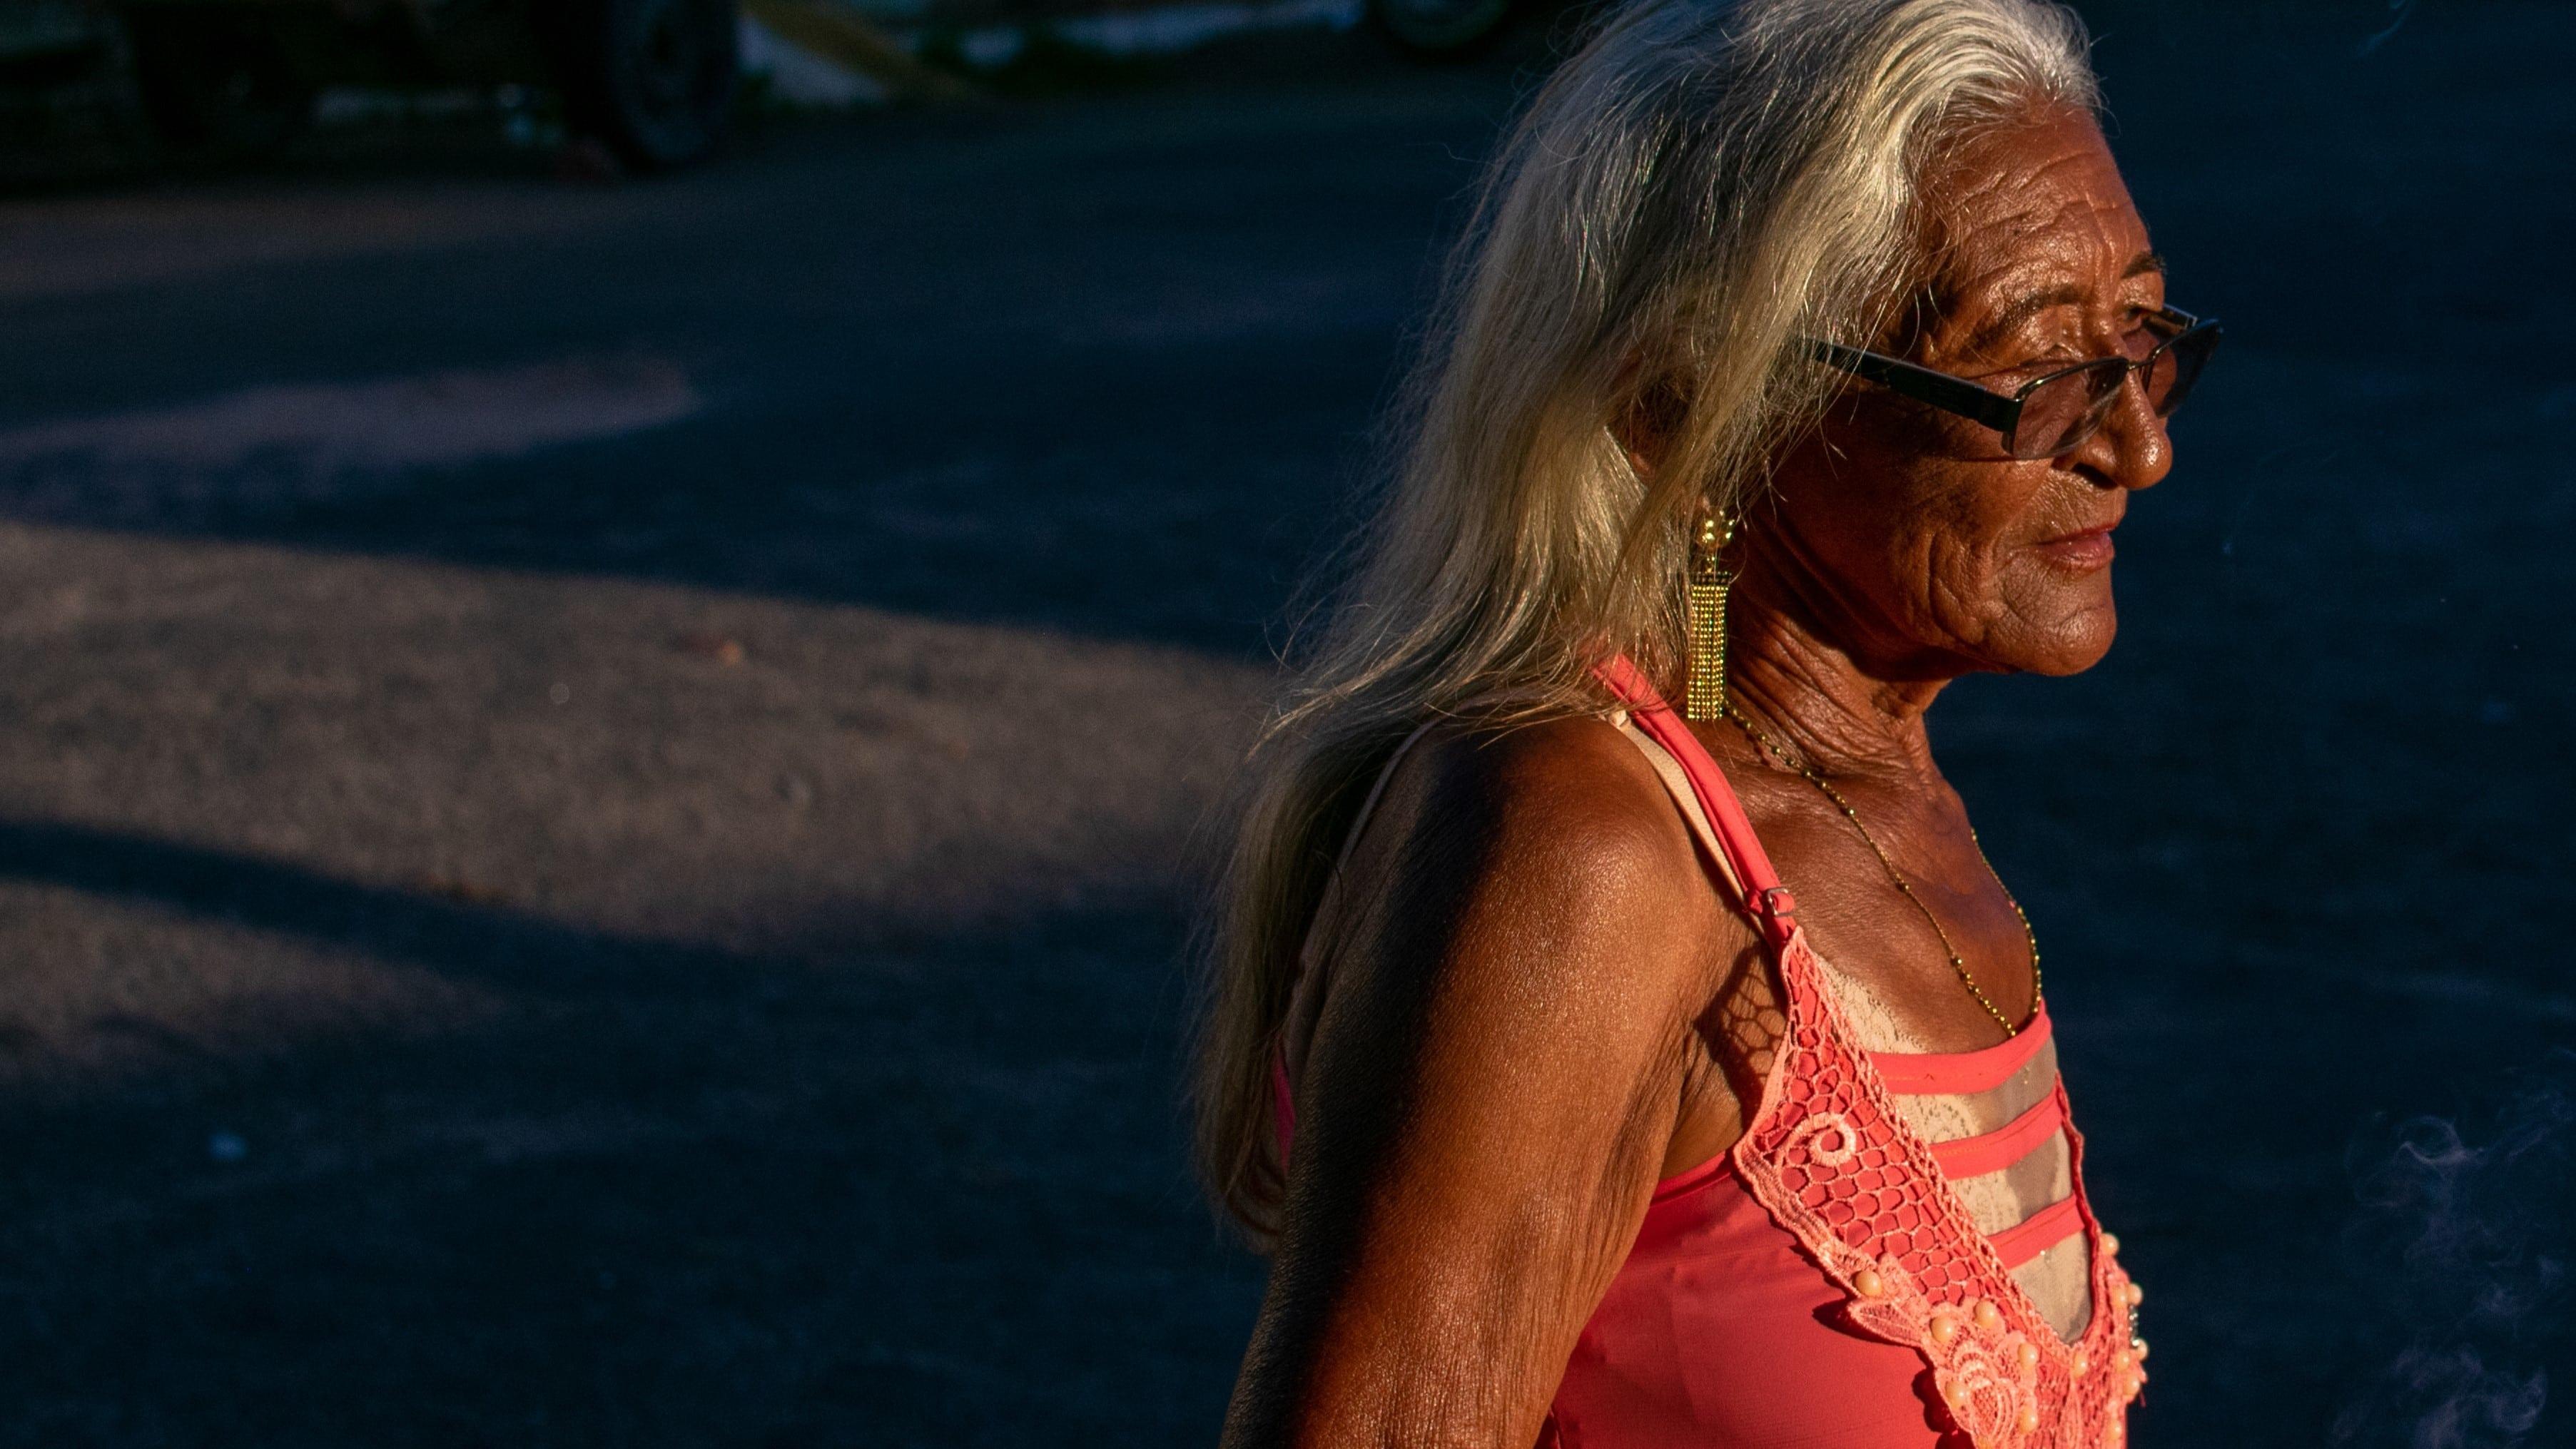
{"type": "Point", "coordinates": [594, 780]}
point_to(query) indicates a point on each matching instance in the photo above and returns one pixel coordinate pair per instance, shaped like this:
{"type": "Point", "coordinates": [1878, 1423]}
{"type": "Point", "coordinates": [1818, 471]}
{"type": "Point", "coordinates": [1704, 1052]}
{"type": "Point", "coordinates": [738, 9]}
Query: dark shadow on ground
{"type": "Point", "coordinates": [670, 1195]}
{"type": "Point", "coordinates": [430, 926]}
{"type": "Point", "coordinates": [1103, 365]}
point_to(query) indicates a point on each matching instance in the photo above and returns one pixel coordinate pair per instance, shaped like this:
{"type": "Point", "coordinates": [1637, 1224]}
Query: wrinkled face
{"type": "Point", "coordinates": [1908, 535]}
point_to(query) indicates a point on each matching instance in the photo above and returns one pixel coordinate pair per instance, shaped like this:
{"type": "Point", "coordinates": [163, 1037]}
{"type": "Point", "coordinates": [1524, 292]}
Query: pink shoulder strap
{"type": "Point", "coordinates": [1766, 900]}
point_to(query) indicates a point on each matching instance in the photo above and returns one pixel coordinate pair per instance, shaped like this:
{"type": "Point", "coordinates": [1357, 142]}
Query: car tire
{"type": "Point", "coordinates": [654, 79]}
{"type": "Point", "coordinates": [212, 83]}
{"type": "Point", "coordinates": [1441, 29]}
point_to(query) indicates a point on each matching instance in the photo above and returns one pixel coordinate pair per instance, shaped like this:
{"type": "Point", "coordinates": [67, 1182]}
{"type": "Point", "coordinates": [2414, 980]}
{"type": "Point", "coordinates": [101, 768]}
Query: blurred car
{"type": "Point", "coordinates": [654, 79]}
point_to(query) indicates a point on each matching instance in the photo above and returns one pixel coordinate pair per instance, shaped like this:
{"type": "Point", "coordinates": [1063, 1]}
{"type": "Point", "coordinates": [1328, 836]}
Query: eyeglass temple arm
{"type": "Point", "coordinates": [1922, 384]}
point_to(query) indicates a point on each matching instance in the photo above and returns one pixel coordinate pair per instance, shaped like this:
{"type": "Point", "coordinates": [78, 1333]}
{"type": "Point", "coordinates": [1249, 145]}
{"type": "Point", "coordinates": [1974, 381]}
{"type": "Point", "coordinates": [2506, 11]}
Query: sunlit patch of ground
{"type": "Point", "coordinates": [316, 747]}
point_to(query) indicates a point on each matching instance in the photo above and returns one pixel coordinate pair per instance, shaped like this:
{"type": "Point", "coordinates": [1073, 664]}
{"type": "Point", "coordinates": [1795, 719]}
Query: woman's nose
{"type": "Point", "coordinates": [2131, 449]}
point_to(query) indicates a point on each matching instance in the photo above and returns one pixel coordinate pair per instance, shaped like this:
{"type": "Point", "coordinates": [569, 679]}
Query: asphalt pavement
{"type": "Point", "coordinates": [597, 780]}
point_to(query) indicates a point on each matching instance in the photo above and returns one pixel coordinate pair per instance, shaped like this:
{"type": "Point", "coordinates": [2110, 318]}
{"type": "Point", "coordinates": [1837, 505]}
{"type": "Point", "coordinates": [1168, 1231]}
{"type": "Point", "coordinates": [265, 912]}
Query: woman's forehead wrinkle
{"type": "Point", "coordinates": [2031, 208]}
{"type": "Point", "coordinates": [2031, 232]}
{"type": "Point", "coordinates": [2044, 221]}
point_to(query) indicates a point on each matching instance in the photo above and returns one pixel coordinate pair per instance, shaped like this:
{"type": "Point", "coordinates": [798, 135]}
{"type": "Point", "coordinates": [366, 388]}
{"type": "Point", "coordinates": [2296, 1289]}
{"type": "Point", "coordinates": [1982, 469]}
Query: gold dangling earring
{"type": "Point", "coordinates": [1711, 575]}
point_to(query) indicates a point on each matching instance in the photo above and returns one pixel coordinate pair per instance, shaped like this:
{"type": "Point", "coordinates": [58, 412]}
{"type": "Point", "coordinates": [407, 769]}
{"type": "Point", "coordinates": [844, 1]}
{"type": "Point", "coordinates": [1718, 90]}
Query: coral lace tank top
{"type": "Point", "coordinates": [1862, 1269]}
{"type": "Point", "coordinates": [1827, 1283]}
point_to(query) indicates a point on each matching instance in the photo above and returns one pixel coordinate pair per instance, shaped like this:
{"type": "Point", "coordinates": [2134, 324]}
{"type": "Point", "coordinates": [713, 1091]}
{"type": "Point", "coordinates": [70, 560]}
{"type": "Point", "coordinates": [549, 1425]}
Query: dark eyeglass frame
{"type": "Point", "coordinates": [2004, 414]}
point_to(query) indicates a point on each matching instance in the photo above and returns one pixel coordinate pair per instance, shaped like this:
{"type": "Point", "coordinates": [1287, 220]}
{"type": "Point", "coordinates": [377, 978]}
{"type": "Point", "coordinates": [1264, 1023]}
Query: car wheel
{"type": "Point", "coordinates": [654, 78]}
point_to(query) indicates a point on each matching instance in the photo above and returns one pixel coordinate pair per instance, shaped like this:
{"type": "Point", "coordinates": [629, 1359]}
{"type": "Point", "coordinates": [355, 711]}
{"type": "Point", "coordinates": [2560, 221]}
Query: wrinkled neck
{"type": "Point", "coordinates": [1815, 696]}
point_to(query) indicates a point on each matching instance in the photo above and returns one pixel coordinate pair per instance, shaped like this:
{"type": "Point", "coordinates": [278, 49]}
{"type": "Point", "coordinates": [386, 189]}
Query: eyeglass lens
{"type": "Point", "coordinates": [2062, 412]}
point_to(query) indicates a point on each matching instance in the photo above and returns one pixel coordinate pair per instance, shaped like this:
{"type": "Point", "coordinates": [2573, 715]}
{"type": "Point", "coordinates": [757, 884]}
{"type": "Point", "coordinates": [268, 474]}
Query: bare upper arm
{"type": "Point", "coordinates": [1521, 952]}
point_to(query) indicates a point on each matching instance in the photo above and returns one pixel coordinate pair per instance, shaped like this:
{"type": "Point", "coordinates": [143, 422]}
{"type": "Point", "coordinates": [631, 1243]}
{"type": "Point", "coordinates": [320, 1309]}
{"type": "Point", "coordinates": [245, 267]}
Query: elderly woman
{"type": "Point", "coordinates": [1607, 1074]}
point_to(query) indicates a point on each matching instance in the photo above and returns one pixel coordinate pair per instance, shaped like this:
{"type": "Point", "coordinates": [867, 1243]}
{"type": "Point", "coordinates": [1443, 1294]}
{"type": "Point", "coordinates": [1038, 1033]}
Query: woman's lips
{"type": "Point", "coordinates": [2083, 551]}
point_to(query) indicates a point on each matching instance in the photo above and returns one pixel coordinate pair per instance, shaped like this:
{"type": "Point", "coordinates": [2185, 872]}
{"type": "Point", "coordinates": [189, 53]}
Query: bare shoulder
{"type": "Point", "coordinates": [1571, 792]}
{"type": "Point", "coordinates": [1559, 834]}
{"type": "Point", "coordinates": [1499, 1068]}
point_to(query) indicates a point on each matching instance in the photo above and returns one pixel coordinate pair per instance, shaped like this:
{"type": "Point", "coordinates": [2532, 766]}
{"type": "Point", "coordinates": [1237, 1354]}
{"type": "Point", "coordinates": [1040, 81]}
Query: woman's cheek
{"type": "Point", "coordinates": [2059, 623]}
{"type": "Point", "coordinates": [1963, 590]}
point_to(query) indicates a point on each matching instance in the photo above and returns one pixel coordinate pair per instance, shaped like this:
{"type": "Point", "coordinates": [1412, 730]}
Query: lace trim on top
{"type": "Point", "coordinates": [1830, 1157]}
{"type": "Point", "coordinates": [2009, 1184]}
{"type": "Point", "coordinates": [1834, 1161]}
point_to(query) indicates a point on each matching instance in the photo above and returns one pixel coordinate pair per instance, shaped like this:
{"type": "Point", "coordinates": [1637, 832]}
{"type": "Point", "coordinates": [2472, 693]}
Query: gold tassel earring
{"type": "Point", "coordinates": [1711, 575]}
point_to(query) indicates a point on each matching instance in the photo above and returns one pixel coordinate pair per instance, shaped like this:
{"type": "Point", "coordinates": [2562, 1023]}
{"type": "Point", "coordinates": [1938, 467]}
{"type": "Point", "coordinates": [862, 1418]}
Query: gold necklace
{"type": "Point", "coordinates": [1958, 963]}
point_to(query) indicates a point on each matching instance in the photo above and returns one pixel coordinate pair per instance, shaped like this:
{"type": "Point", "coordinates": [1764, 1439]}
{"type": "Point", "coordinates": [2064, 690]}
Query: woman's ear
{"type": "Point", "coordinates": [1646, 427]}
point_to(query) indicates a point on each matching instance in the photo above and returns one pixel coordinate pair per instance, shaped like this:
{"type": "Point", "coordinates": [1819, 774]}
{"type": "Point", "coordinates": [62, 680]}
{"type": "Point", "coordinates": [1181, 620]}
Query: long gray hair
{"type": "Point", "coordinates": [1697, 189]}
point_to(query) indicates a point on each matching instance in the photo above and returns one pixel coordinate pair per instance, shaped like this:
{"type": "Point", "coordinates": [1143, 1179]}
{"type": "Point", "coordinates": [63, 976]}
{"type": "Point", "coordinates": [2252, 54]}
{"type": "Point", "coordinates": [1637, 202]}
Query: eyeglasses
{"type": "Point", "coordinates": [2050, 415]}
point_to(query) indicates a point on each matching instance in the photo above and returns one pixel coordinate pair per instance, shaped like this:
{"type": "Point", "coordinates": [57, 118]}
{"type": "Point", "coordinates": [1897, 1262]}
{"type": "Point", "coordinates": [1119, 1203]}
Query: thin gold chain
{"type": "Point", "coordinates": [1958, 963]}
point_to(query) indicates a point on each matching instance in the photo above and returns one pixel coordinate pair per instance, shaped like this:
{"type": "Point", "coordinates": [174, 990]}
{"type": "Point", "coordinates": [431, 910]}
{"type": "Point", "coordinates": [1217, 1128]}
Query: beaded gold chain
{"type": "Point", "coordinates": [1958, 963]}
